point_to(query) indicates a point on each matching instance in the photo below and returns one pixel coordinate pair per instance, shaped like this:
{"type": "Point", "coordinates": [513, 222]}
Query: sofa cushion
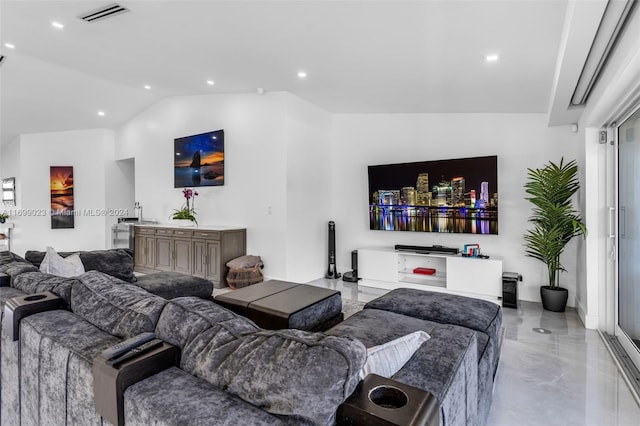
{"type": "Point", "coordinates": [301, 375]}
{"type": "Point", "coordinates": [9, 256]}
{"type": "Point", "coordinates": [173, 284]}
{"type": "Point", "coordinates": [15, 268]}
{"type": "Point", "coordinates": [7, 293]}
{"type": "Point", "coordinates": [114, 306]}
{"type": "Point", "coordinates": [199, 327]}
{"type": "Point", "coordinates": [186, 400]}
{"type": "Point", "coordinates": [386, 359]}
{"type": "Point", "coordinates": [53, 263]}
{"type": "Point", "coordinates": [118, 263]}
{"type": "Point", "coordinates": [447, 366]}
{"type": "Point", "coordinates": [36, 282]}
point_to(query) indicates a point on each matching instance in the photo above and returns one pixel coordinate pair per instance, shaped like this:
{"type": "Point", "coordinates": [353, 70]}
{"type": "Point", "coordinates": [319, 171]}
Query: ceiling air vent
{"type": "Point", "coordinates": [103, 13]}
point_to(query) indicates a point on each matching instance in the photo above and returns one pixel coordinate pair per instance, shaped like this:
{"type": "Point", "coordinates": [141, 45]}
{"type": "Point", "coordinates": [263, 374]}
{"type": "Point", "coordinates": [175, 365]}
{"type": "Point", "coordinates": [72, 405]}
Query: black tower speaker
{"type": "Point", "coordinates": [331, 271]}
{"type": "Point", "coordinates": [352, 276]}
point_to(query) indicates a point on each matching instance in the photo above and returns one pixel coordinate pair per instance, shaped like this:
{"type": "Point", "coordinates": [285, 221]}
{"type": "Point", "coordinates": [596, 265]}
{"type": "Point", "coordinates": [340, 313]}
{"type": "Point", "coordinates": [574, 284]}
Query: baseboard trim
{"type": "Point", "coordinates": [590, 321]}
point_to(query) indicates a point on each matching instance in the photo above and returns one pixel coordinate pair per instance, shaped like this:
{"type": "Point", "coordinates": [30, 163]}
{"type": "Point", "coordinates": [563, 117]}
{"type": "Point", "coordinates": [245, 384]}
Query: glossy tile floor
{"type": "Point", "coordinates": [564, 378]}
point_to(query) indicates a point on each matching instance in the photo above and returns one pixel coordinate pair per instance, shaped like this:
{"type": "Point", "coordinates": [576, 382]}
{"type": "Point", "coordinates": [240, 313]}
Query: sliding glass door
{"type": "Point", "coordinates": [628, 235]}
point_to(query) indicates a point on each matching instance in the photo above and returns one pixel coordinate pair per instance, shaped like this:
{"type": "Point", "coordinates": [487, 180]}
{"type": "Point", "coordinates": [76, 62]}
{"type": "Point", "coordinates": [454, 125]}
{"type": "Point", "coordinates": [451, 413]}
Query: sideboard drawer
{"type": "Point", "coordinates": [181, 233]}
{"type": "Point", "coordinates": [161, 231]}
{"type": "Point", "coordinates": [209, 235]}
{"type": "Point", "coordinates": [144, 230]}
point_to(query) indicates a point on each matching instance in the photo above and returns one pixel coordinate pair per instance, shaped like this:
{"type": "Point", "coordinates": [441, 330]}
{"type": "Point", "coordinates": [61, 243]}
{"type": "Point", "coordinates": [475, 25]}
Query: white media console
{"type": "Point", "coordinates": [384, 267]}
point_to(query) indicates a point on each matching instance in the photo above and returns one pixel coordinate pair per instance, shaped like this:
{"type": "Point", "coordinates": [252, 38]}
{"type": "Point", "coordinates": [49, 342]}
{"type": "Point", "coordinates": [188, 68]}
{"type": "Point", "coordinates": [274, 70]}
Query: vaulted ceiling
{"type": "Point", "coordinates": [359, 56]}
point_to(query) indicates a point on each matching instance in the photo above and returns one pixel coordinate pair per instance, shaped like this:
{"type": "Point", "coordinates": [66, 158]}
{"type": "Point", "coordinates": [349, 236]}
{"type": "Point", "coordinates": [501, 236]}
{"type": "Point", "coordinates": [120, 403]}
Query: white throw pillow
{"type": "Point", "coordinates": [55, 264]}
{"type": "Point", "coordinates": [387, 359]}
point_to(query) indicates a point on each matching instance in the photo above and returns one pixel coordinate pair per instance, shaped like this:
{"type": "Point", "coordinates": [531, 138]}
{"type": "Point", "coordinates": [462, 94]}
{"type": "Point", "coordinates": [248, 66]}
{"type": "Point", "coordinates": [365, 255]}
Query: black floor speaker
{"type": "Point", "coordinates": [352, 276]}
{"type": "Point", "coordinates": [332, 273]}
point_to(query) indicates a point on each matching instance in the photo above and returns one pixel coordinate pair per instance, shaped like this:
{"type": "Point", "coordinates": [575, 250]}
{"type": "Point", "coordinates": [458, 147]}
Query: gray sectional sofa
{"type": "Point", "coordinates": [230, 371]}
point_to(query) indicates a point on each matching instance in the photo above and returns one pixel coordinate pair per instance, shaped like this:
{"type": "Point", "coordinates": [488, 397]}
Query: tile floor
{"type": "Point", "coordinates": [564, 378]}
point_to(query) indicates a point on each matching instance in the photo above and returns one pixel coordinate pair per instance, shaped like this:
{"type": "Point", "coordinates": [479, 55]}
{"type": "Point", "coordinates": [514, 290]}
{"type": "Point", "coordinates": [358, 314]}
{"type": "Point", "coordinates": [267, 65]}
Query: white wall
{"type": "Point", "coordinates": [10, 167]}
{"type": "Point", "coordinates": [273, 159]}
{"type": "Point", "coordinates": [88, 151]}
{"type": "Point", "coordinates": [119, 191]}
{"type": "Point", "coordinates": [519, 140]}
{"type": "Point", "coordinates": [308, 189]}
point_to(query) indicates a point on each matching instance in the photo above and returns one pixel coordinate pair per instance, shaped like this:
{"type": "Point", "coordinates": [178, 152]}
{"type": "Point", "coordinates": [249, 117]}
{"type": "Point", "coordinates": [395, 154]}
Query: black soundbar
{"type": "Point", "coordinates": [427, 249]}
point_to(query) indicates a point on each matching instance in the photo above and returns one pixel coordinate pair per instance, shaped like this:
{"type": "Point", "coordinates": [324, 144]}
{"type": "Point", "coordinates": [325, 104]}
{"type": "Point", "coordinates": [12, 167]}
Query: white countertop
{"type": "Point", "coordinates": [186, 228]}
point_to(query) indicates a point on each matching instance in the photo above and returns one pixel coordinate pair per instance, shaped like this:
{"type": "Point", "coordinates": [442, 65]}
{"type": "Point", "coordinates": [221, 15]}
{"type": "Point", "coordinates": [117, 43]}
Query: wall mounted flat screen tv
{"type": "Point", "coordinates": [199, 160]}
{"type": "Point", "coordinates": [449, 196]}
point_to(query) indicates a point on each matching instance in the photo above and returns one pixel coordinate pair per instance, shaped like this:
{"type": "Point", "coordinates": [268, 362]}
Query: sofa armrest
{"type": "Point", "coordinates": [20, 307]}
{"type": "Point", "coordinates": [378, 401]}
{"type": "Point", "coordinates": [111, 380]}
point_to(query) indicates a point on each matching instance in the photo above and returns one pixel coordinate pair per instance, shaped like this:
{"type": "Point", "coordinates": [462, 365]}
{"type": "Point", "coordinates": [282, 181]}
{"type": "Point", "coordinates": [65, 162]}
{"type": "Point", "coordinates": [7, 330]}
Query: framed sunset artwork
{"type": "Point", "coordinates": [61, 189]}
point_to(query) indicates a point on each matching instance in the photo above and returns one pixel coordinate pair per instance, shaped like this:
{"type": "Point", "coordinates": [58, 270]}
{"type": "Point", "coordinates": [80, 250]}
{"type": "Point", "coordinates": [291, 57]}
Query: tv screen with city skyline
{"type": "Point", "coordinates": [449, 196]}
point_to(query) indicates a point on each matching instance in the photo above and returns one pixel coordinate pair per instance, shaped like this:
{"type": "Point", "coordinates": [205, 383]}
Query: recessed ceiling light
{"type": "Point", "coordinates": [10, 46]}
{"type": "Point", "coordinates": [302, 74]}
{"type": "Point", "coordinates": [210, 82]}
{"type": "Point", "coordinates": [146, 86]}
{"type": "Point", "coordinates": [57, 25]}
{"type": "Point", "coordinates": [491, 58]}
{"type": "Point", "coordinates": [101, 113]}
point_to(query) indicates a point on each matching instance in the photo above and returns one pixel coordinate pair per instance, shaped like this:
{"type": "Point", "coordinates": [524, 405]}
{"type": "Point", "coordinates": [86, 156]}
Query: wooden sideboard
{"type": "Point", "coordinates": [202, 252]}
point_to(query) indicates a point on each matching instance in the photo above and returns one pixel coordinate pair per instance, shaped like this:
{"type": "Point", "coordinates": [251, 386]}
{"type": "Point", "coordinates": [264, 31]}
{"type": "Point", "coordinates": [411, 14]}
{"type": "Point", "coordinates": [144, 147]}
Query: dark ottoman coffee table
{"type": "Point", "coordinates": [280, 304]}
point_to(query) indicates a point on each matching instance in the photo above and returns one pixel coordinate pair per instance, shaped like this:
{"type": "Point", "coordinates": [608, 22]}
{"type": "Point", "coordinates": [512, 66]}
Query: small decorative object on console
{"type": "Point", "coordinates": [471, 250]}
{"type": "Point", "coordinates": [187, 211]}
{"type": "Point", "coordinates": [424, 271]}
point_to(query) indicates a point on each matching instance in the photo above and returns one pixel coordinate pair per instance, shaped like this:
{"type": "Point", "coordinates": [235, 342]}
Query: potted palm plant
{"type": "Point", "coordinates": [555, 223]}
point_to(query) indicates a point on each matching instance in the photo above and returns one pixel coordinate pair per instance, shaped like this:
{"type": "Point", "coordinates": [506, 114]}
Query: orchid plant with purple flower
{"type": "Point", "coordinates": [188, 210]}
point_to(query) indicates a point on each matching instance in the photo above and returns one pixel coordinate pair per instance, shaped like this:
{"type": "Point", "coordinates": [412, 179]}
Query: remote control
{"type": "Point", "coordinates": [125, 345]}
{"type": "Point", "coordinates": [152, 344]}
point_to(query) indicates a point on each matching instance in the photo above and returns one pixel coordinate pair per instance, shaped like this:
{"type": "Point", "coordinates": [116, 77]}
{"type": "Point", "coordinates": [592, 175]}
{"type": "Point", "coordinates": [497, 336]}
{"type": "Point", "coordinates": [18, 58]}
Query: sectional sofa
{"type": "Point", "coordinates": [229, 370]}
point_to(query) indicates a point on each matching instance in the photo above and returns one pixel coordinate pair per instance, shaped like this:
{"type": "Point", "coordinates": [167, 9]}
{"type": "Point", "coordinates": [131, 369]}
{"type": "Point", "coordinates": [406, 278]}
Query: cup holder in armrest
{"type": "Point", "coordinates": [378, 401]}
{"type": "Point", "coordinates": [111, 380]}
{"type": "Point", "coordinates": [35, 297]}
{"type": "Point", "coordinates": [388, 397]}
{"type": "Point", "coordinates": [5, 280]}
{"type": "Point", "coordinates": [22, 306]}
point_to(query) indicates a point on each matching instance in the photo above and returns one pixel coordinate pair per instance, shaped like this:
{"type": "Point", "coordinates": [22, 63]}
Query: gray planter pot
{"type": "Point", "coordinates": [554, 298]}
